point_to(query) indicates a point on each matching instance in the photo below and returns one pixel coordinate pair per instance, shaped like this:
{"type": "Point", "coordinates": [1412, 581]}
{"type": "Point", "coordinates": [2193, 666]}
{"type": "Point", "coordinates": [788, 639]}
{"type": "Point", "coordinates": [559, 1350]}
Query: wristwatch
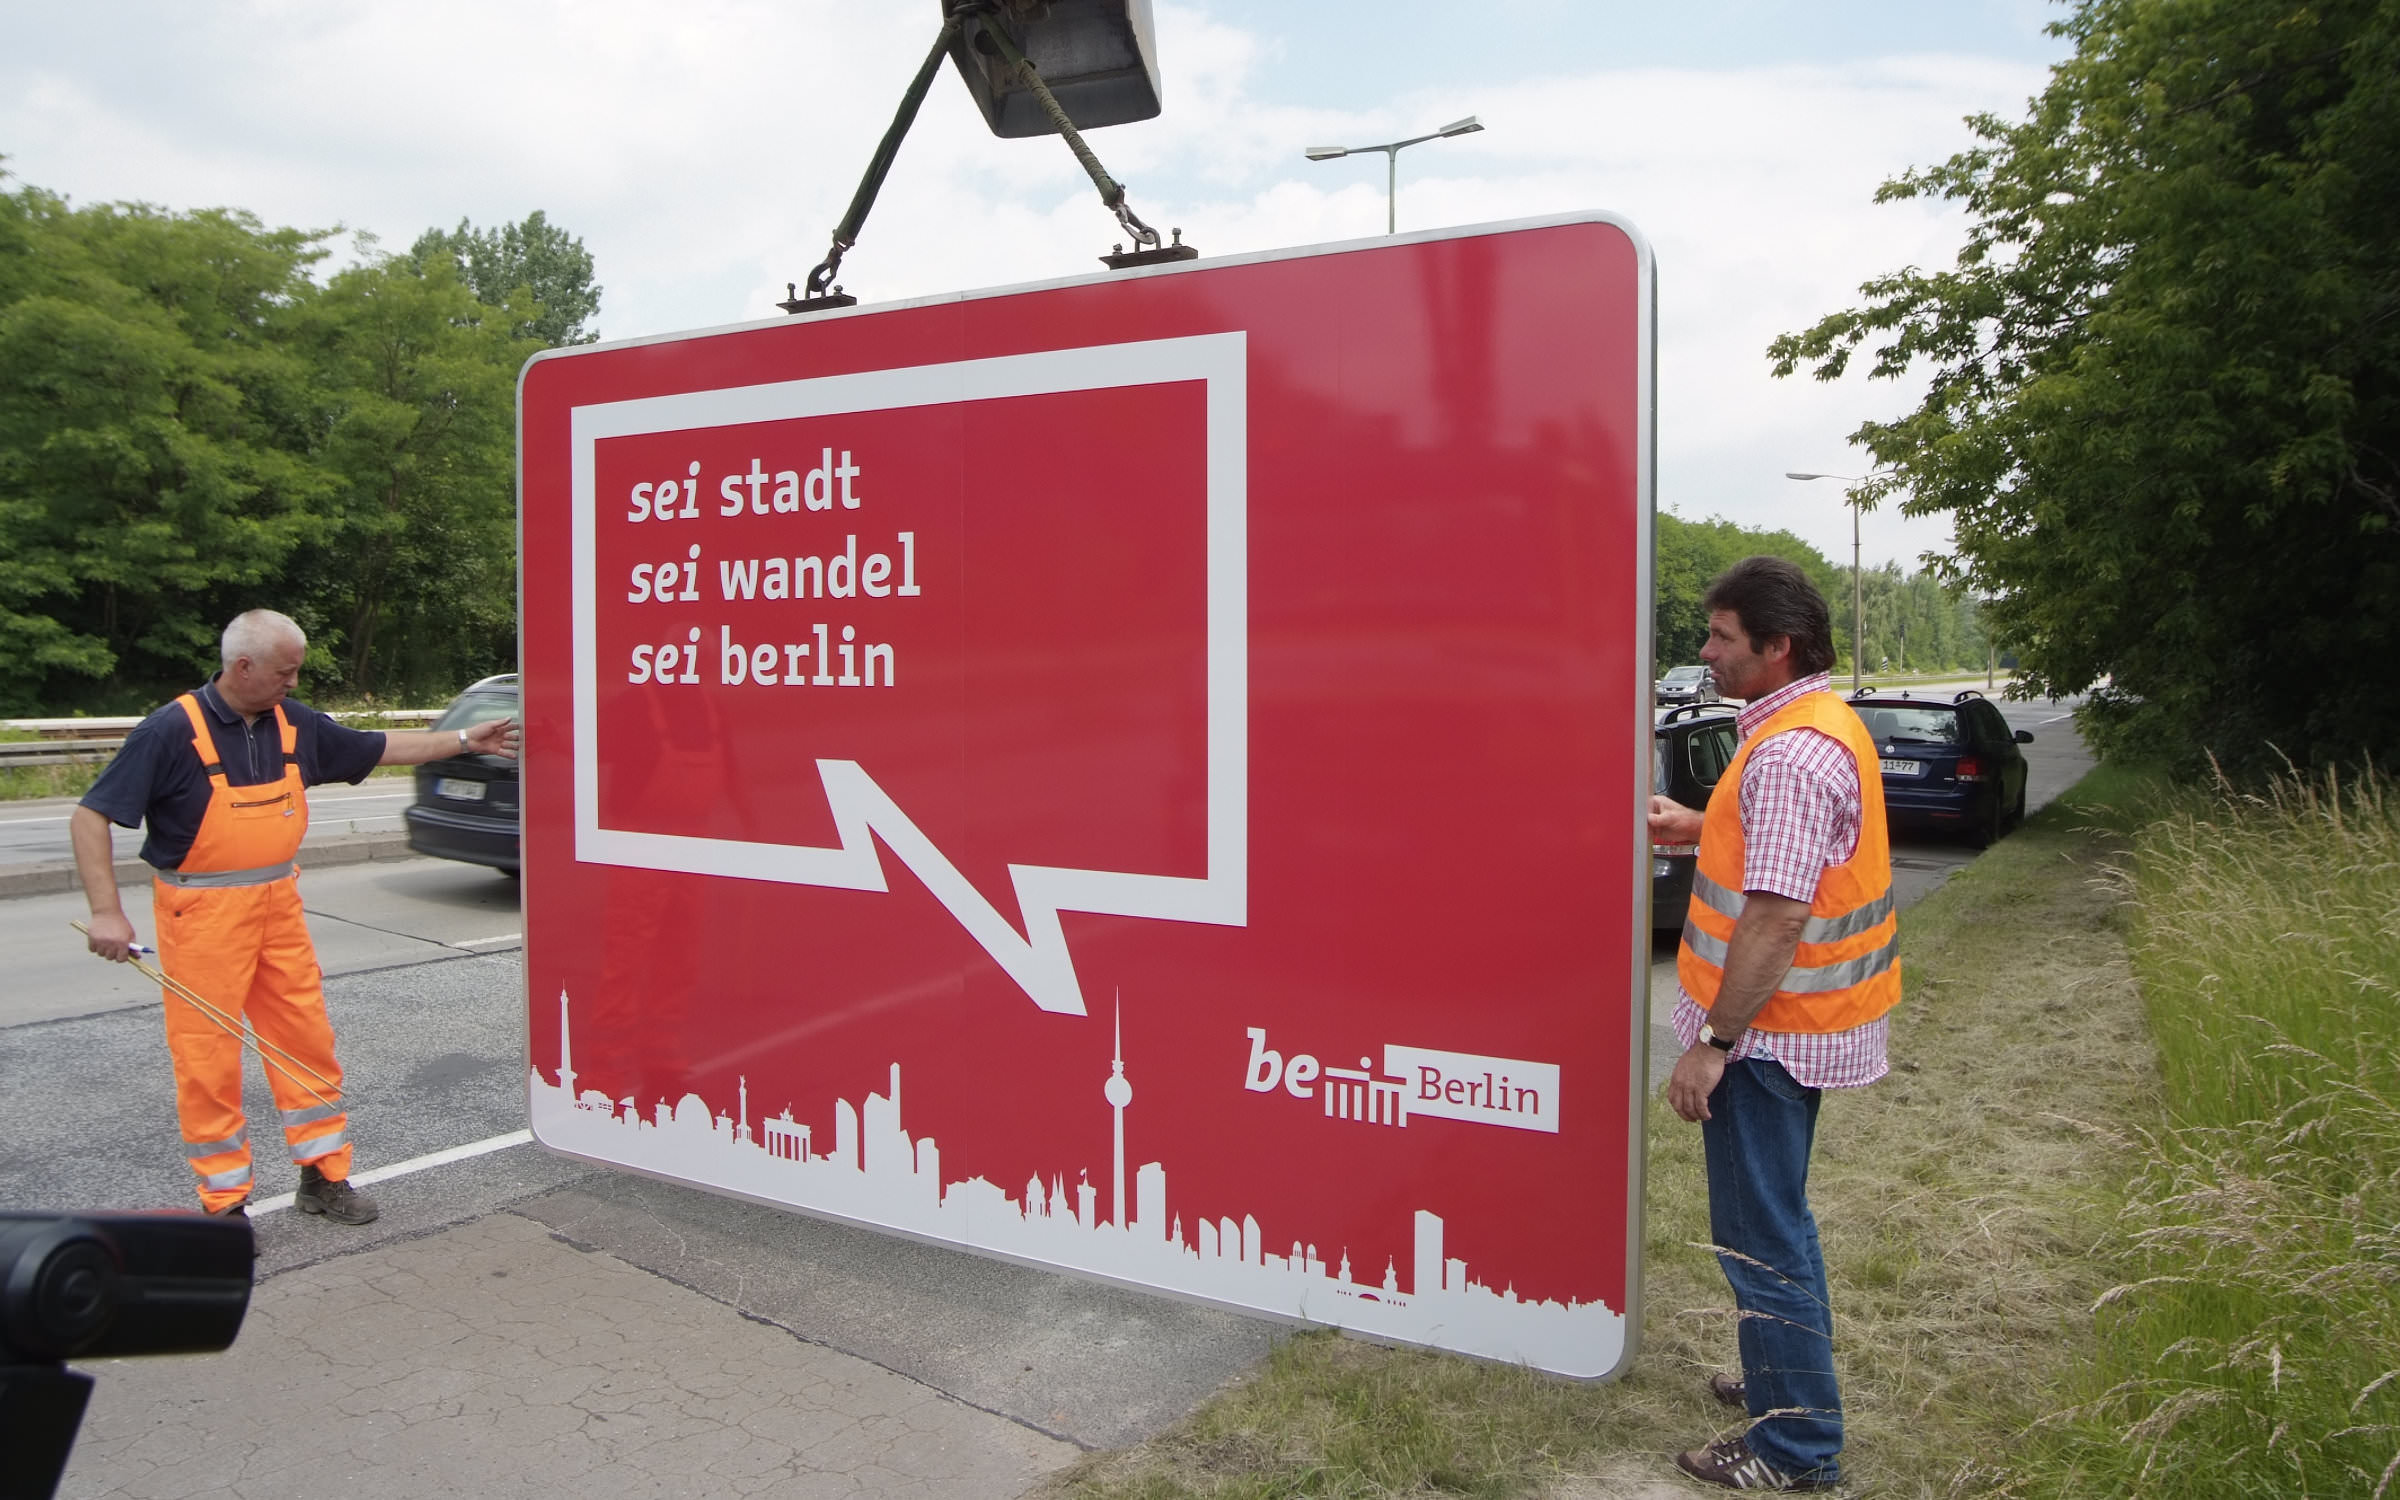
{"type": "Point", "coordinates": [462, 739]}
{"type": "Point", "coordinates": [1709, 1035]}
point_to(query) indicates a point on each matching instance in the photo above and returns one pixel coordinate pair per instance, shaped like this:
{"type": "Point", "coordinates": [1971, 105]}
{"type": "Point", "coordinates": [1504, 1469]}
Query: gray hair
{"type": "Point", "coordinates": [254, 631]}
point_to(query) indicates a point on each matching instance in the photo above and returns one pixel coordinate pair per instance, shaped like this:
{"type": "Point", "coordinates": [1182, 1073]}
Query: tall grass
{"type": "Point", "coordinates": [2253, 1346]}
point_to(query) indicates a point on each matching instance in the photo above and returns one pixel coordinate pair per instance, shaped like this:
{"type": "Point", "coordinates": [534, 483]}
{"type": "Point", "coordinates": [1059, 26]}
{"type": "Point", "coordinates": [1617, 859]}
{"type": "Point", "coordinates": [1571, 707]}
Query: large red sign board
{"type": "Point", "coordinates": [1186, 726]}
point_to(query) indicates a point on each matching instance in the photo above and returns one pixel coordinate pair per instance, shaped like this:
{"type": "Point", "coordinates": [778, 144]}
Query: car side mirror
{"type": "Point", "coordinates": [2024, 736]}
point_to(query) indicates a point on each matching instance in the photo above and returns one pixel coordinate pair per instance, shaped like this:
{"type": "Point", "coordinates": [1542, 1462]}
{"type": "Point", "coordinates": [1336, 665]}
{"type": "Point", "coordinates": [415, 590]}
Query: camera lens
{"type": "Point", "coordinates": [74, 1293]}
{"type": "Point", "coordinates": [58, 1287]}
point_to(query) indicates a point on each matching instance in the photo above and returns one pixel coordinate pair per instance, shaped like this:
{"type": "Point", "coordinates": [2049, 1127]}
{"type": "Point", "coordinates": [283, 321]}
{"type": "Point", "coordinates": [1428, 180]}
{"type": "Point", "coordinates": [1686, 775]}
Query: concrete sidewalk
{"type": "Point", "coordinates": [498, 1359]}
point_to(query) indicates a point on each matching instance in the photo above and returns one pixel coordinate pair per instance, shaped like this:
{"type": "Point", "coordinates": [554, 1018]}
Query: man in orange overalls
{"type": "Point", "coordinates": [220, 778]}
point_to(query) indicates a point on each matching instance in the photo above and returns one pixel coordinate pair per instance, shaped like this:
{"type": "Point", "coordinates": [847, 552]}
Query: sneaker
{"type": "Point", "coordinates": [1730, 1463]}
{"type": "Point", "coordinates": [336, 1200]}
{"type": "Point", "coordinates": [1730, 1390]}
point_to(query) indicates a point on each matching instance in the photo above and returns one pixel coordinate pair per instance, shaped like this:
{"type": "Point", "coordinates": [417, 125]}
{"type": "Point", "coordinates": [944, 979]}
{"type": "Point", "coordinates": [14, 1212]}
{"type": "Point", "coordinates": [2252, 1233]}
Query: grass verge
{"type": "Point", "coordinates": [2252, 1346]}
{"type": "Point", "coordinates": [1961, 1202]}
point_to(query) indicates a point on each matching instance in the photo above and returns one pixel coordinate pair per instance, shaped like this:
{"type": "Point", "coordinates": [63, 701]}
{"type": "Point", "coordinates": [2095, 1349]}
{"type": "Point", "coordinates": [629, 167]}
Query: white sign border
{"type": "Point", "coordinates": [1038, 959]}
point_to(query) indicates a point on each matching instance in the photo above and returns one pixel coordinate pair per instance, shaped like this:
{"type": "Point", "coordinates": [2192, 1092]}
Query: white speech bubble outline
{"type": "Point", "coordinates": [862, 811]}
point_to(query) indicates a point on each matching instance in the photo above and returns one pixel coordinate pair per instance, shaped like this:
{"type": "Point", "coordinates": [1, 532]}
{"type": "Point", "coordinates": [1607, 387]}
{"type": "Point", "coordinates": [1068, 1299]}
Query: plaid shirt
{"type": "Point", "coordinates": [1800, 814]}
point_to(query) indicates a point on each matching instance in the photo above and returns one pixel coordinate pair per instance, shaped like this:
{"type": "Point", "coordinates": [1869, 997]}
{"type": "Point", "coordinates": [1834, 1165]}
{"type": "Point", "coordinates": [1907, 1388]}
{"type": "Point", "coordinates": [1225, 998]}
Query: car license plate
{"type": "Point", "coordinates": [472, 791]}
{"type": "Point", "coordinates": [1904, 768]}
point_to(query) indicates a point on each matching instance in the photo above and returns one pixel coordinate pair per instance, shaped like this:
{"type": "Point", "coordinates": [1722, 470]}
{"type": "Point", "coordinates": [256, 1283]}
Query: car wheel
{"type": "Point", "coordinates": [1989, 827]}
{"type": "Point", "coordinates": [2016, 814]}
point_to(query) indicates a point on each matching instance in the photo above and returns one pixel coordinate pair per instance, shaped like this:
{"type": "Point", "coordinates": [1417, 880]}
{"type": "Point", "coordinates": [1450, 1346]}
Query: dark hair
{"type": "Point", "coordinates": [1772, 597]}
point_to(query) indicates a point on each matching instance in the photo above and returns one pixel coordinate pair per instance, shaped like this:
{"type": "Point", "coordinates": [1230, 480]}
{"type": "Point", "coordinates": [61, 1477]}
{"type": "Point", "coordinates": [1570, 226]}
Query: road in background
{"type": "Point", "coordinates": [34, 833]}
{"type": "Point", "coordinates": [378, 914]}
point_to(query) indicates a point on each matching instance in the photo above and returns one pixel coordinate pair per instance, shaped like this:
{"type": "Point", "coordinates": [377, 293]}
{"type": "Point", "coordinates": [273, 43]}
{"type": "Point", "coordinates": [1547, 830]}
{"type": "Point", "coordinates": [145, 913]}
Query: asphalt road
{"type": "Point", "coordinates": [426, 992]}
{"type": "Point", "coordinates": [36, 832]}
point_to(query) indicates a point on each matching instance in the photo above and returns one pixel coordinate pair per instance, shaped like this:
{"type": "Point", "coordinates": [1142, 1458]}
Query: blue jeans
{"type": "Point", "coordinates": [1761, 1125]}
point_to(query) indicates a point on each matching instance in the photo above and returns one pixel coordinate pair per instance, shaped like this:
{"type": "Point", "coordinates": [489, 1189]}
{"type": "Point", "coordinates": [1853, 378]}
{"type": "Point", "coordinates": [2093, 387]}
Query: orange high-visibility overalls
{"type": "Point", "coordinates": [230, 928]}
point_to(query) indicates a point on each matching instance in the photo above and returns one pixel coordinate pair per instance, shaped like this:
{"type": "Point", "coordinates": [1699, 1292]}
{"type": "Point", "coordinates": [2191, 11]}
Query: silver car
{"type": "Point", "coordinates": [1687, 685]}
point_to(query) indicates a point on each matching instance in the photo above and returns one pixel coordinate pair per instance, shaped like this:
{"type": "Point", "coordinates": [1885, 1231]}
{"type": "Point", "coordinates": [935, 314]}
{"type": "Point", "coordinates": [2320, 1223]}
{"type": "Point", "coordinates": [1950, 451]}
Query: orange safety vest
{"type": "Point", "coordinates": [1846, 971]}
{"type": "Point", "coordinates": [230, 927]}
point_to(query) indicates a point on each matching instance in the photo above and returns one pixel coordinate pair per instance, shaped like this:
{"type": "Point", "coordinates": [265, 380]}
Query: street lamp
{"type": "Point", "coordinates": [1391, 161]}
{"type": "Point", "coordinates": [1858, 631]}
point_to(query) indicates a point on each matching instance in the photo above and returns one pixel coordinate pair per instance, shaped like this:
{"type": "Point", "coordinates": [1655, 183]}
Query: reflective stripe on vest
{"type": "Point", "coordinates": [212, 880]}
{"type": "Point", "coordinates": [1845, 970]}
{"type": "Point", "coordinates": [1815, 929]}
{"type": "Point", "coordinates": [1806, 979]}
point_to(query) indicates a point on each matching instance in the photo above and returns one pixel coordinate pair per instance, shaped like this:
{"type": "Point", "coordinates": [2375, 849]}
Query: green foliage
{"type": "Point", "coordinates": [149, 422]}
{"type": "Point", "coordinates": [419, 584]}
{"type": "Point", "coordinates": [535, 260]}
{"type": "Point", "coordinates": [1917, 622]}
{"type": "Point", "coordinates": [2164, 411]}
{"type": "Point", "coordinates": [191, 425]}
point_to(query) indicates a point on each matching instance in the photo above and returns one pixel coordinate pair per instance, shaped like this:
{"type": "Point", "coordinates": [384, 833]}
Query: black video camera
{"type": "Point", "coordinates": [102, 1286]}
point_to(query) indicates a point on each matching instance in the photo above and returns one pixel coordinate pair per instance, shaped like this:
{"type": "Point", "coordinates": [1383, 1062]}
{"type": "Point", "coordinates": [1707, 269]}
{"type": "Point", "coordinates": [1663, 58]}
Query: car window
{"type": "Point", "coordinates": [1686, 674]}
{"type": "Point", "coordinates": [1996, 732]}
{"type": "Point", "coordinates": [478, 708]}
{"type": "Point", "coordinates": [1658, 764]}
{"type": "Point", "coordinates": [1928, 725]}
{"type": "Point", "coordinates": [1711, 752]}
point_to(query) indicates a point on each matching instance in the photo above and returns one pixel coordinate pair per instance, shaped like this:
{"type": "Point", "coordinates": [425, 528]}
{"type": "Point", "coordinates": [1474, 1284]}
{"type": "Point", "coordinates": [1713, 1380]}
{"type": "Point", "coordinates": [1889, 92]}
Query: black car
{"type": "Point", "coordinates": [1689, 751]}
{"type": "Point", "coordinates": [1949, 765]}
{"type": "Point", "coordinates": [466, 805]}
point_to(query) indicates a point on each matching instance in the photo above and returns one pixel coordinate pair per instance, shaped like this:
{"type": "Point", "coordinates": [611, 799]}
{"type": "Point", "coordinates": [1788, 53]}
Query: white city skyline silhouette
{"type": "Point", "coordinates": [877, 1175]}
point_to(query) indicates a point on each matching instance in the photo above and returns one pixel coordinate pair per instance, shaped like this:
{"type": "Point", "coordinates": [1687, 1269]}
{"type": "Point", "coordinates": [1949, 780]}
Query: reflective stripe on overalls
{"type": "Point", "coordinates": [231, 929]}
{"type": "Point", "coordinates": [1846, 970]}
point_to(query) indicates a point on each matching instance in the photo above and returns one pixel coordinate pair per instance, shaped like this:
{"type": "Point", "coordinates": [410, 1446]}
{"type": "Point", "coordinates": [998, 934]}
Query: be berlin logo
{"type": "Point", "coordinates": [1415, 1081]}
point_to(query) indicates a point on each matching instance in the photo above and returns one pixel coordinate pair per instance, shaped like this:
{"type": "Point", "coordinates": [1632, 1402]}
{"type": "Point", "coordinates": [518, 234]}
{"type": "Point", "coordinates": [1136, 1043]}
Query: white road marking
{"type": "Point", "coordinates": [414, 1164]}
{"type": "Point", "coordinates": [506, 937]}
{"type": "Point", "coordinates": [2055, 719]}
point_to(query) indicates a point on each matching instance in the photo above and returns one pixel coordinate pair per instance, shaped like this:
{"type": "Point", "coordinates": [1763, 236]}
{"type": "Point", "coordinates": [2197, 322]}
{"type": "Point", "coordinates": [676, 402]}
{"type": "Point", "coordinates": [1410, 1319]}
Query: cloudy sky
{"type": "Point", "coordinates": [703, 150]}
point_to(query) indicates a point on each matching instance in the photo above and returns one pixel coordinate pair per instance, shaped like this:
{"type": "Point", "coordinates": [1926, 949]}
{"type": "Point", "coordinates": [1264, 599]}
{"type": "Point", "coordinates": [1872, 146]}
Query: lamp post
{"type": "Point", "coordinates": [1858, 627]}
{"type": "Point", "coordinates": [1391, 161]}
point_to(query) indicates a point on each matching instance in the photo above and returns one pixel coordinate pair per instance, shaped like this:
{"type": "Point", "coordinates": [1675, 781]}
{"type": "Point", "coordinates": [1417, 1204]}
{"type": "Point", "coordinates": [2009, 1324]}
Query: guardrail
{"type": "Point", "coordinates": [82, 742]}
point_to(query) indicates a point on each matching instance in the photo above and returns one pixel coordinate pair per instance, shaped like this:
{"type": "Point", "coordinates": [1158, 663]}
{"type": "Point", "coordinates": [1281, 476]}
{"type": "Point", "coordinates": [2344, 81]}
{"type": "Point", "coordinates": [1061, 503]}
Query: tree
{"type": "Point", "coordinates": [150, 428]}
{"type": "Point", "coordinates": [415, 378]}
{"type": "Point", "coordinates": [536, 258]}
{"type": "Point", "coordinates": [2164, 412]}
{"type": "Point", "coordinates": [1687, 558]}
{"type": "Point", "coordinates": [192, 425]}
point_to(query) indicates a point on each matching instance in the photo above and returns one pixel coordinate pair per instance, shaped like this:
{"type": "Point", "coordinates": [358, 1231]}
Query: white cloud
{"type": "Point", "coordinates": [704, 152]}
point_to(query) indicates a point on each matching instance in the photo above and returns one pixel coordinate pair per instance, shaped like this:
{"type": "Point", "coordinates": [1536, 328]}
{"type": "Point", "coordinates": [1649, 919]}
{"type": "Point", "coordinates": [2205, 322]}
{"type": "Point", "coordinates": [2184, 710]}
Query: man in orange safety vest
{"type": "Point", "coordinates": [1788, 965]}
{"type": "Point", "coordinates": [220, 777]}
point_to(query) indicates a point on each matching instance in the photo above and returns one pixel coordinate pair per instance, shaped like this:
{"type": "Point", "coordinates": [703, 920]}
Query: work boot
{"type": "Point", "coordinates": [336, 1200]}
{"type": "Point", "coordinates": [238, 1209]}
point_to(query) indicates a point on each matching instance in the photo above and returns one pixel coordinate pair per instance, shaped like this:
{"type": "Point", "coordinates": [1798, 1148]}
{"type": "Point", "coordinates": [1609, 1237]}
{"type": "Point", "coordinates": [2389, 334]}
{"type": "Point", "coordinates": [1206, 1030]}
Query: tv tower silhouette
{"type": "Point", "coordinates": [1119, 1093]}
